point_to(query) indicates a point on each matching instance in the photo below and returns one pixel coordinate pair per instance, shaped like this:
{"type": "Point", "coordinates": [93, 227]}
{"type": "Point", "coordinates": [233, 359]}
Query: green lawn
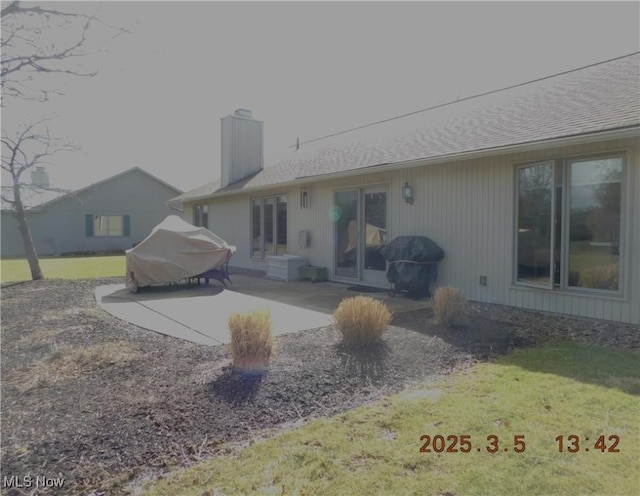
{"type": "Point", "coordinates": [562, 390]}
{"type": "Point", "coordinates": [64, 268]}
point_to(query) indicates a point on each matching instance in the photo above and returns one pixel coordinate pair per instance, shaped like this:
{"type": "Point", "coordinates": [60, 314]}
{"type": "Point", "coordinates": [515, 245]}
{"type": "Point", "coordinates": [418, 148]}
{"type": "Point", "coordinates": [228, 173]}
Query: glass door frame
{"type": "Point", "coordinates": [372, 276]}
{"type": "Point", "coordinates": [341, 243]}
{"type": "Point", "coordinates": [360, 191]}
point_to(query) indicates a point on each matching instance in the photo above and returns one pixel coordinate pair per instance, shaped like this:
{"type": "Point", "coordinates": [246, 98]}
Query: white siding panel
{"type": "Point", "coordinates": [607, 312]}
{"type": "Point", "coordinates": [616, 310]}
{"type": "Point", "coordinates": [598, 307]}
{"type": "Point", "coordinates": [584, 306]}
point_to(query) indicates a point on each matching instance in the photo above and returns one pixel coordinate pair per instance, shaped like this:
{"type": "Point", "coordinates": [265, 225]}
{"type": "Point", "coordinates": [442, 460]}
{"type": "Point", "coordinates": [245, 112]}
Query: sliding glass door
{"type": "Point", "coordinates": [374, 230]}
{"type": "Point", "coordinates": [360, 233]}
{"type": "Point", "coordinates": [346, 228]}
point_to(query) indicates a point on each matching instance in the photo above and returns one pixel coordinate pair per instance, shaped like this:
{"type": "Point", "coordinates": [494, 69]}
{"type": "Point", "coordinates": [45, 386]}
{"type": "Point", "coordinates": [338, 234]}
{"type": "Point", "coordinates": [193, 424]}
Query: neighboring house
{"type": "Point", "coordinates": [111, 215]}
{"type": "Point", "coordinates": [533, 192]}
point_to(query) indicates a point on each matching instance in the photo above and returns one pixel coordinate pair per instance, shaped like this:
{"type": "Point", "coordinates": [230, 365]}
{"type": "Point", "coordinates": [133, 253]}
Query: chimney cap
{"type": "Point", "coordinates": [243, 113]}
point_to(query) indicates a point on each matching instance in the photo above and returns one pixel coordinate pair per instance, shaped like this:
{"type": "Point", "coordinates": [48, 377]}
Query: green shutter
{"type": "Point", "coordinates": [88, 225]}
{"type": "Point", "coordinates": [126, 226]}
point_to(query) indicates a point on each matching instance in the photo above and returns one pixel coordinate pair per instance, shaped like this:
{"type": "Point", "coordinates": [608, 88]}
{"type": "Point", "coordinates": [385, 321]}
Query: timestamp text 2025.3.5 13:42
{"type": "Point", "coordinates": [517, 444]}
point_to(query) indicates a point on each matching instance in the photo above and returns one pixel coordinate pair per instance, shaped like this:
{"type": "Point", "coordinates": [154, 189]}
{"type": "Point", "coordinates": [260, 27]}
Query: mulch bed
{"type": "Point", "coordinates": [167, 403]}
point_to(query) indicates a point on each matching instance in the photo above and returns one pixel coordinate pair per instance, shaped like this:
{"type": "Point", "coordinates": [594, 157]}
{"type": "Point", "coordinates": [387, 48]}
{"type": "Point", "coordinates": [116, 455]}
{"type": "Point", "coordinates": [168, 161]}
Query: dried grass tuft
{"type": "Point", "coordinates": [449, 306]}
{"type": "Point", "coordinates": [251, 340]}
{"type": "Point", "coordinates": [70, 362]}
{"type": "Point", "coordinates": [601, 277]}
{"type": "Point", "coordinates": [361, 320]}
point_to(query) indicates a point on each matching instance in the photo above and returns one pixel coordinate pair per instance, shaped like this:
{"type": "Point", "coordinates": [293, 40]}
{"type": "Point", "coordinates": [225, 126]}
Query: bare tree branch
{"type": "Point", "coordinates": [25, 149]}
{"type": "Point", "coordinates": [24, 53]}
{"type": "Point", "coordinates": [33, 44]}
{"type": "Point", "coordinates": [15, 8]}
{"type": "Point", "coordinates": [30, 147]}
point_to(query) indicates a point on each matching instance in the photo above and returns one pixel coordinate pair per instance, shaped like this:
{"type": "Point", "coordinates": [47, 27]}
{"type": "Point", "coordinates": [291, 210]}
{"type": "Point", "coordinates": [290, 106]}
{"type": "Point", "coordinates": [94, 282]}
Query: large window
{"type": "Point", "coordinates": [107, 225]}
{"type": "Point", "coordinates": [594, 223]}
{"type": "Point", "coordinates": [569, 237]}
{"type": "Point", "coordinates": [268, 226]}
{"type": "Point", "coordinates": [201, 215]}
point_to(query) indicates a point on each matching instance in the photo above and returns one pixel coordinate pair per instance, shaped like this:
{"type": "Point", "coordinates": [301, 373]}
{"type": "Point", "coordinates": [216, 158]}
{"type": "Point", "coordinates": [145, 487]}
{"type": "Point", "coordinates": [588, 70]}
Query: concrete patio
{"type": "Point", "coordinates": [199, 313]}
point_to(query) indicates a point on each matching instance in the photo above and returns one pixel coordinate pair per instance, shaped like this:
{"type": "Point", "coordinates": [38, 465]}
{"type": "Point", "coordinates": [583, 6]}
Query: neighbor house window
{"type": "Point", "coordinates": [268, 226]}
{"type": "Point", "coordinates": [107, 225]}
{"type": "Point", "coordinates": [201, 216]}
{"type": "Point", "coordinates": [569, 236]}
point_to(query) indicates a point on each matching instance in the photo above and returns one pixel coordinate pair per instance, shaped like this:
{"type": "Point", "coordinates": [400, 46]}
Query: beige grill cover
{"type": "Point", "coordinates": [174, 250]}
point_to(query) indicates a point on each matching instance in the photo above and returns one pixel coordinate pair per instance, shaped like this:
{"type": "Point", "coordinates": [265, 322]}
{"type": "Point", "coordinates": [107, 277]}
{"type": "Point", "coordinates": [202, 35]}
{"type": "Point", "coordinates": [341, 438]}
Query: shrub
{"type": "Point", "coordinates": [251, 340]}
{"type": "Point", "coordinates": [448, 305]}
{"type": "Point", "coordinates": [601, 277]}
{"type": "Point", "coordinates": [361, 319]}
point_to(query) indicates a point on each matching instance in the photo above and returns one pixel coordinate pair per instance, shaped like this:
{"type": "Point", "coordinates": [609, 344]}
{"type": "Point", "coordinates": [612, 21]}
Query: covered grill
{"type": "Point", "coordinates": [412, 264]}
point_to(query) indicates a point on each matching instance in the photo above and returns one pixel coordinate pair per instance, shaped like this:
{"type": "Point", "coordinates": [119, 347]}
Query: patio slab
{"type": "Point", "coordinates": [199, 313]}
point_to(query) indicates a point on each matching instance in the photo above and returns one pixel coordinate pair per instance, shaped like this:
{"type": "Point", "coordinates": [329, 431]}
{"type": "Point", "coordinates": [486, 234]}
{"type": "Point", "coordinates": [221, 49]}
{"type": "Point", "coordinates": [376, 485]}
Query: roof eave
{"type": "Point", "coordinates": [630, 131]}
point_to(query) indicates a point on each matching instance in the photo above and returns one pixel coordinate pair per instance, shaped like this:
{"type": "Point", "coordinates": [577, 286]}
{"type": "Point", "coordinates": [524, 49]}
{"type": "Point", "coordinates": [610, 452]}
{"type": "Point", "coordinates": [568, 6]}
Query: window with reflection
{"type": "Point", "coordinates": [535, 191]}
{"type": "Point", "coordinates": [268, 226]}
{"type": "Point", "coordinates": [281, 226]}
{"type": "Point", "coordinates": [201, 216]}
{"type": "Point", "coordinates": [569, 223]}
{"type": "Point", "coordinates": [107, 225]}
{"type": "Point", "coordinates": [594, 223]}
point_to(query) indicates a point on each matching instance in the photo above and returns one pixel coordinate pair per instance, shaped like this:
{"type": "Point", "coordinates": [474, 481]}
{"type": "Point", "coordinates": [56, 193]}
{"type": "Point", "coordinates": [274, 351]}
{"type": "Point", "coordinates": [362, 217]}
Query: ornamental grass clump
{"type": "Point", "coordinates": [601, 277]}
{"type": "Point", "coordinates": [251, 340]}
{"type": "Point", "coordinates": [361, 320]}
{"type": "Point", "coordinates": [449, 306]}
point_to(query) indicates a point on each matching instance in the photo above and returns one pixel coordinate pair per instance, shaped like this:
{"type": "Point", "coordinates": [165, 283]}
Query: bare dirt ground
{"type": "Point", "coordinates": [102, 403]}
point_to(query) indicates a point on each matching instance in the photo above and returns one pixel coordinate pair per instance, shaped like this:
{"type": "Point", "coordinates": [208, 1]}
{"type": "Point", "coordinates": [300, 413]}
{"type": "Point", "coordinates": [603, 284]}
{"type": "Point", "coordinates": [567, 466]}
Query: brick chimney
{"type": "Point", "coordinates": [40, 177]}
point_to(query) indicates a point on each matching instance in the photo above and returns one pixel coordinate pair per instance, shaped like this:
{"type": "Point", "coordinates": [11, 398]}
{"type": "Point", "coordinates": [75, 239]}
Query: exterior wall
{"type": "Point", "coordinates": [10, 236]}
{"type": "Point", "coordinates": [477, 232]}
{"type": "Point", "coordinates": [230, 218]}
{"type": "Point", "coordinates": [467, 207]}
{"type": "Point", "coordinates": [61, 228]}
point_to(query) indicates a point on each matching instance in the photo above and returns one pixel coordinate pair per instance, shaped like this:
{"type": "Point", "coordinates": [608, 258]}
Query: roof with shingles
{"type": "Point", "coordinates": [34, 197]}
{"type": "Point", "coordinates": [600, 97]}
{"type": "Point", "coordinates": [31, 196]}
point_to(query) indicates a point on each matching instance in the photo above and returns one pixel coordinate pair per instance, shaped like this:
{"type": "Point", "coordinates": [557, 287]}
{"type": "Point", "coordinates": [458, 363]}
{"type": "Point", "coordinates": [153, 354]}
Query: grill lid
{"type": "Point", "coordinates": [412, 248]}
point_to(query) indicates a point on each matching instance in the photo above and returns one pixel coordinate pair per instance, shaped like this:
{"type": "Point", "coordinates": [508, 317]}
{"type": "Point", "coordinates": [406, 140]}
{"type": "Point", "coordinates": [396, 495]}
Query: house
{"type": "Point", "coordinates": [111, 215]}
{"type": "Point", "coordinates": [533, 192]}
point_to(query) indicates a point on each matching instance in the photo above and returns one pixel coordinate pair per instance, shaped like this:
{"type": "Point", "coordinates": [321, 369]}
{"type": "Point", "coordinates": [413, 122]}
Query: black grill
{"type": "Point", "coordinates": [413, 264]}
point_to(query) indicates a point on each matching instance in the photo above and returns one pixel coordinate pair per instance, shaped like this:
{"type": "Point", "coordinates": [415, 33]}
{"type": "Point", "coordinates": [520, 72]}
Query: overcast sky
{"type": "Point", "coordinates": [305, 69]}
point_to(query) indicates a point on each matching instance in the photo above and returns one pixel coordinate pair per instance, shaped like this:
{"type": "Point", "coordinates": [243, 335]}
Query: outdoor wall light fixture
{"type": "Point", "coordinates": [407, 193]}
